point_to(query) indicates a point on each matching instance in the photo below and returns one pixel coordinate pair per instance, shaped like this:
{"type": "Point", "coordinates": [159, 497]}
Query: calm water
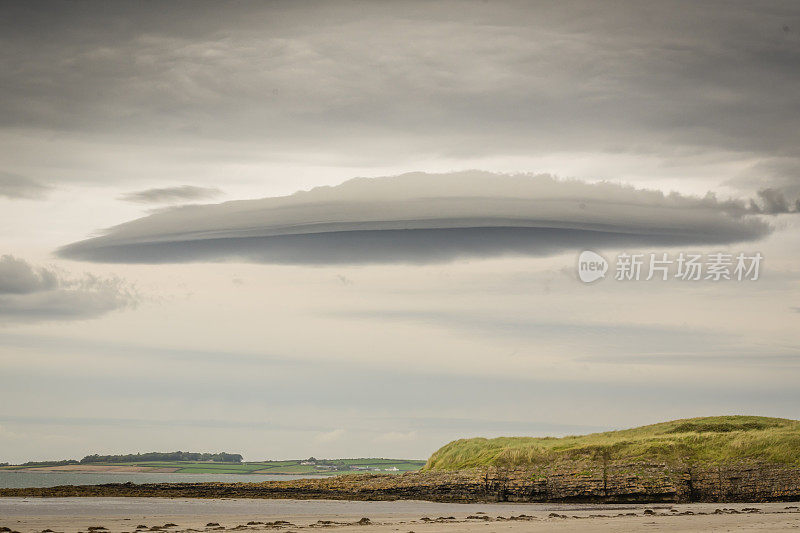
{"type": "Point", "coordinates": [21, 479]}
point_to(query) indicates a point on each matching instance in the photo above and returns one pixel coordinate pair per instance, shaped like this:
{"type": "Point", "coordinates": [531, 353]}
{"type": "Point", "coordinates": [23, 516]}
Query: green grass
{"type": "Point", "coordinates": [709, 440]}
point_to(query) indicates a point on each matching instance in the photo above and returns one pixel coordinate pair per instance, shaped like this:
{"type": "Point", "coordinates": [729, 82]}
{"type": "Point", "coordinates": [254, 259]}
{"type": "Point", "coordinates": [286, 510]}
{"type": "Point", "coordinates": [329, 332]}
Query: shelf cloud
{"type": "Point", "coordinates": [422, 218]}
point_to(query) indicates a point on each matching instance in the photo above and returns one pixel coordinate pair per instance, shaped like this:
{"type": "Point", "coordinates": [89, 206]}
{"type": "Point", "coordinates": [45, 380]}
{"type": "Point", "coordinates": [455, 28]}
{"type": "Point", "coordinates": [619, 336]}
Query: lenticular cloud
{"type": "Point", "coordinates": [420, 218]}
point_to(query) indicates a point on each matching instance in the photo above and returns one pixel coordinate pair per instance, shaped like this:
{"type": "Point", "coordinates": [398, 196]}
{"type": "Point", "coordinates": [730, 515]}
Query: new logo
{"type": "Point", "coordinates": [591, 266]}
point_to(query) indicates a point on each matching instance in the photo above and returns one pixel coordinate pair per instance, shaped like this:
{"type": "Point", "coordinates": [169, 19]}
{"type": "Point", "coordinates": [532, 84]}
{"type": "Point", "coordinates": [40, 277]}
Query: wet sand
{"type": "Point", "coordinates": [72, 515]}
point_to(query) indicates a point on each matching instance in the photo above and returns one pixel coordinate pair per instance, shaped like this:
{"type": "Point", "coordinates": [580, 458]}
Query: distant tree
{"type": "Point", "coordinates": [221, 457]}
{"type": "Point", "coordinates": [51, 463]}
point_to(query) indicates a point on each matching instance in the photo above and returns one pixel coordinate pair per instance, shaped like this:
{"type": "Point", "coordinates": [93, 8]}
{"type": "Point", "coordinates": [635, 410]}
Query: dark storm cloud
{"type": "Point", "coordinates": [672, 79]}
{"type": "Point", "coordinates": [171, 194]}
{"type": "Point", "coordinates": [30, 294]}
{"type": "Point", "coordinates": [421, 217]}
{"type": "Point", "coordinates": [19, 187]}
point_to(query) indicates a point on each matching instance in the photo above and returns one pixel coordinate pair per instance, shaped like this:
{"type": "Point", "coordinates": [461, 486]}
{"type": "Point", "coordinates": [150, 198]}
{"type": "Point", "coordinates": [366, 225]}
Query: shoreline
{"type": "Point", "coordinates": [140, 515]}
{"type": "Point", "coordinates": [159, 471]}
{"type": "Point", "coordinates": [631, 483]}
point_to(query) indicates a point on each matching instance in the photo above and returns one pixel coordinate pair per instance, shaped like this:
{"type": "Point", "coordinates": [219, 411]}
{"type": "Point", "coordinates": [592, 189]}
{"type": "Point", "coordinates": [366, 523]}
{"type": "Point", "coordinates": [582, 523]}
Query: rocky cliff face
{"type": "Point", "coordinates": [577, 482]}
{"type": "Point", "coordinates": [646, 483]}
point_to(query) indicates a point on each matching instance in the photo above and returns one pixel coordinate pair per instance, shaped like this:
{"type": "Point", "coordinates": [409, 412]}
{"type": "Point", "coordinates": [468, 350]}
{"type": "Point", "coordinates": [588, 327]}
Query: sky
{"type": "Point", "coordinates": [352, 229]}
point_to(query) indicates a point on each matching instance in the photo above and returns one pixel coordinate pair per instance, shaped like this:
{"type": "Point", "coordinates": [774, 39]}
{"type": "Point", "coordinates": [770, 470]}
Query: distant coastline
{"type": "Point", "coordinates": [310, 466]}
{"type": "Point", "coordinates": [719, 459]}
{"type": "Point", "coordinates": [631, 483]}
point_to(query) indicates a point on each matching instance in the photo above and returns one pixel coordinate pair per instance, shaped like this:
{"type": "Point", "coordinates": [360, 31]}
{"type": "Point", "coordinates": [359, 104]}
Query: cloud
{"type": "Point", "coordinates": [16, 187]}
{"type": "Point", "coordinates": [8, 434]}
{"type": "Point", "coordinates": [774, 202]}
{"type": "Point", "coordinates": [422, 218]}
{"type": "Point", "coordinates": [677, 81]}
{"type": "Point", "coordinates": [777, 176]}
{"type": "Point", "coordinates": [31, 294]}
{"type": "Point", "coordinates": [621, 339]}
{"type": "Point", "coordinates": [19, 277]}
{"type": "Point", "coordinates": [396, 436]}
{"type": "Point", "coordinates": [171, 194]}
{"type": "Point", "coordinates": [775, 182]}
{"type": "Point", "coordinates": [330, 436]}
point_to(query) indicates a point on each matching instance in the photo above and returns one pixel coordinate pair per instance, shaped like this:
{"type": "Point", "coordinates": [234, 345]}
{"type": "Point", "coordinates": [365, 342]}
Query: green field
{"type": "Point", "coordinates": [294, 466]}
{"type": "Point", "coordinates": [709, 440]}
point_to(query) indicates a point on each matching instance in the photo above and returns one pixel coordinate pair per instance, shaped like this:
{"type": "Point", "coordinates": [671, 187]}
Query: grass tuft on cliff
{"type": "Point", "coordinates": [691, 441]}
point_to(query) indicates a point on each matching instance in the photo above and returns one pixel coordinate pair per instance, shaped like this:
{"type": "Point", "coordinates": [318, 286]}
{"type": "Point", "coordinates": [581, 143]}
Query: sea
{"type": "Point", "coordinates": [20, 479]}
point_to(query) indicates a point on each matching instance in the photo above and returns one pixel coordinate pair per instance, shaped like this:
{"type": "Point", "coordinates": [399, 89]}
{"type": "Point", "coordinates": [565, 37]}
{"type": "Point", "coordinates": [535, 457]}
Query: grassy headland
{"type": "Point", "coordinates": [719, 459]}
{"type": "Point", "coordinates": [701, 441]}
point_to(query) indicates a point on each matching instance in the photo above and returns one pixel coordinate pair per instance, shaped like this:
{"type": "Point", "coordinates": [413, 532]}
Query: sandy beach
{"type": "Point", "coordinates": [113, 515]}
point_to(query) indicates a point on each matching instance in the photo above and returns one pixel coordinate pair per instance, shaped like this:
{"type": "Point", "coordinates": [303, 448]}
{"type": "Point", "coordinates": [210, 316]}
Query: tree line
{"type": "Point", "coordinates": [51, 463]}
{"type": "Point", "coordinates": [221, 457]}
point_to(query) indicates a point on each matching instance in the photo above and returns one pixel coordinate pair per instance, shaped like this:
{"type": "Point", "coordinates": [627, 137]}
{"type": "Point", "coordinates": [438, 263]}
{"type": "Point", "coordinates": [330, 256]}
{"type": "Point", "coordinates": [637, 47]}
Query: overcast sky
{"type": "Point", "coordinates": [350, 229]}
